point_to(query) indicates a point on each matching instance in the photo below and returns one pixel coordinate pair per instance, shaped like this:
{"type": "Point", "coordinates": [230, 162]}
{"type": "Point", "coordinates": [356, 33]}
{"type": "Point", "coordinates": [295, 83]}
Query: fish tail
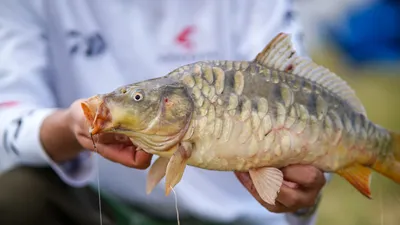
{"type": "Point", "coordinates": [388, 164]}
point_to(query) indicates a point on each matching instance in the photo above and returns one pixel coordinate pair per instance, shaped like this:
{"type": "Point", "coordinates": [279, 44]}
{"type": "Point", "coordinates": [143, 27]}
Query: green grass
{"type": "Point", "coordinates": [380, 93]}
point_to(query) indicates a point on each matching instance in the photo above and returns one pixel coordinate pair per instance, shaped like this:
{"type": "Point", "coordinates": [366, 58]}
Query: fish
{"type": "Point", "coordinates": [256, 116]}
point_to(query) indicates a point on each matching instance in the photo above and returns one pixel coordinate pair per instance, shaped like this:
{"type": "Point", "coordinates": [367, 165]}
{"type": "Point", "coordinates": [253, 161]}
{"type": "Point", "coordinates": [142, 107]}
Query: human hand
{"type": "Point", "coordinates": [301, 187]}
{"type": "Point", "coordinates": [115, 147]}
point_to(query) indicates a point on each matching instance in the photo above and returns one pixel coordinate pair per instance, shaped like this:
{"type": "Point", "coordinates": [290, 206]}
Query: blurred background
{"type": "Point", "coordinates": [360, 41]}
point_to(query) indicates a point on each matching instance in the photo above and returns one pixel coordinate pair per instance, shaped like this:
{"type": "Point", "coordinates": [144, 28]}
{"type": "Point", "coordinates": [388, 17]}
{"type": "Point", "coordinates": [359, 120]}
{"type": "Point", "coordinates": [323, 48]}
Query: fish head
{"type": "Point", "coordinates": [154, 114]}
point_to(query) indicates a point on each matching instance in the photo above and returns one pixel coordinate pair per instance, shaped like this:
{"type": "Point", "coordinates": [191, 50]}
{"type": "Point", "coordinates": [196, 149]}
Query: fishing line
{"type": "Point", "coordinates": [380, 203]}
{"type": "Point", "coordinates": [98, 179]}
{"type": "Point", "coordinates": [176, 205]}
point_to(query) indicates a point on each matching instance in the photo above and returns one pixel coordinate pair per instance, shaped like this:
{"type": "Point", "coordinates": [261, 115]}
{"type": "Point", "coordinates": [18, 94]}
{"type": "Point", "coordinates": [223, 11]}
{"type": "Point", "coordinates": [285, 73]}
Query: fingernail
{"type": "Point", "coordinates": [290, 184]}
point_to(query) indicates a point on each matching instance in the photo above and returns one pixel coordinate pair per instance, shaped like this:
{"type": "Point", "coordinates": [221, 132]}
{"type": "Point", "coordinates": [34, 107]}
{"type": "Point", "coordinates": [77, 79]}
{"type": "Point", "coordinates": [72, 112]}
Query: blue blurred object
{"type": "Point", "coordinates": [371, 33]}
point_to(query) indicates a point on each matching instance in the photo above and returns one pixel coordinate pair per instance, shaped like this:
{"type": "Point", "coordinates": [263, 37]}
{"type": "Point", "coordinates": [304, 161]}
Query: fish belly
{"type": "Point", "coordinates": [236, 145]}
{"type": "Point", "coordinates": [239, 146]}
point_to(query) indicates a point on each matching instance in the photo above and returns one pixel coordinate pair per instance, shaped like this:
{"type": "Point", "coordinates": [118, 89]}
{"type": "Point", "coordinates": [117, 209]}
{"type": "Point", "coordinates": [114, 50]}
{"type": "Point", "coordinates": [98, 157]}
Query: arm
{"type": "Point", "coordinates": [34, 131]}
{"type": "Point", "coordinates": [30, 120]}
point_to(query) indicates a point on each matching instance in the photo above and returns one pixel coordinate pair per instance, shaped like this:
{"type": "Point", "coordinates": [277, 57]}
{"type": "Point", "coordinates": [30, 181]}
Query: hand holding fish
{"type": "Point", "coordinates": [301, 187]}
{"type": "Point", "coordinates": [115, 147]}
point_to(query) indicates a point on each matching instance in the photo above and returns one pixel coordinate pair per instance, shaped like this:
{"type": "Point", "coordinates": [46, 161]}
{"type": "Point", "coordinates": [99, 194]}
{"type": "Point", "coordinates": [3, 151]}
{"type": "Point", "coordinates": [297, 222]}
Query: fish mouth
{"type": "Point", "coordinates": [97, 114]}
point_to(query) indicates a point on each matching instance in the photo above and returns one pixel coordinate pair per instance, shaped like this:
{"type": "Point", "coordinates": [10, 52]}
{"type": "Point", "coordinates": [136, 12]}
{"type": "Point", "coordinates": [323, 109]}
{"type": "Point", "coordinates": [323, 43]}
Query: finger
{"type": "Point", "coordinates": [304, 175]}
{"type": "Point", "coordinates": [107, 138]}
{"type": "Point", "coordinates": [90, 144]}
{"type": "Point", "coordinates": [295, 199]}
{"type": "Point", "coordinates": [246, 181]}
{"type": "Point", "coordinates": [142, 159]}
{"type": "Point", "coordinates": [112, 138]}
{"type": "Point", "coordinates": [126, 156]}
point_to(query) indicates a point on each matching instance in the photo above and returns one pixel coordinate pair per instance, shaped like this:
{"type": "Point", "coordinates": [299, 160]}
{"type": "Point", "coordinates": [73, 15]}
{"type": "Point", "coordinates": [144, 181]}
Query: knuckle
{"type": "Point", "coordinates": [133, 164]}
{"type": "Point", "coordinates": [144, 166]}
{"type": "Point", "coordinates": [313, 176]}
{"type": "Point", "coordinates": [293, 201]}
{"type": "Point", "coordinates": [273, 209]}
{"type": "Point", "coordinates": [140, 166]}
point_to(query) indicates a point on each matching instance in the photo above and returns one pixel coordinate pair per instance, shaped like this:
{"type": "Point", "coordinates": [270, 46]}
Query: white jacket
{"type": "Point", "coordinates": [53, 52]}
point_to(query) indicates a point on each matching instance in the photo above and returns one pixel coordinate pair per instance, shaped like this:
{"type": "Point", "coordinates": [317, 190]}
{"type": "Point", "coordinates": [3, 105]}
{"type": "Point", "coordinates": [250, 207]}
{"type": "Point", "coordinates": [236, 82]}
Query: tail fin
{"type": "Point", "coordinates": [390, 165]}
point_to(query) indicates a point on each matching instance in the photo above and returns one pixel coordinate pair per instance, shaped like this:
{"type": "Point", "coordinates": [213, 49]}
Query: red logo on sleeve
{"type": "Point", "coordinates": [184, 39]}
{"type": "Point", "coordinates": [8, 104]}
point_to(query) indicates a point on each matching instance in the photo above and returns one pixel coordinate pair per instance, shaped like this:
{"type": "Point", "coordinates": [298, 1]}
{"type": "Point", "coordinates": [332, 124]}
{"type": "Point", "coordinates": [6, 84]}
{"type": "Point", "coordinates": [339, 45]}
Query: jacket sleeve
{"type": "Point", "coordinates": [26, 96]}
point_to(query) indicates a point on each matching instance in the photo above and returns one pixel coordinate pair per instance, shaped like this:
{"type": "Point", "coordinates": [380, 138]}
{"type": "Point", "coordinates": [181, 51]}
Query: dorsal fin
{"type": "Point", "coordinates": [279, 54]}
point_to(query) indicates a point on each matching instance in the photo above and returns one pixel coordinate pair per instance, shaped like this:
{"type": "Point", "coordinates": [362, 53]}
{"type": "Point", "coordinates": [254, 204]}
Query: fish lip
{"type": "Point", "coordinates": [97, 114]}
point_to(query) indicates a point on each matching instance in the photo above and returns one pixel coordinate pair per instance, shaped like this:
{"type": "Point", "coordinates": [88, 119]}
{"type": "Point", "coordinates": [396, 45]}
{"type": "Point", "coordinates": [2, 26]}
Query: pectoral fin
{"type": "Point", "coordinates": [268, 182]}
{"type": "Point", "coordinates": [176, 166]}
{"type": "Point", "coordinates": [156, 173]}
{"type": "Point", "coordinates": [358, 176]}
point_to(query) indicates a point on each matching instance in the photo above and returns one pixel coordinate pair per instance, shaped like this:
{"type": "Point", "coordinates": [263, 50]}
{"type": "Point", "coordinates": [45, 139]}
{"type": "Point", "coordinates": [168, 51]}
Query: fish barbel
{"type": "Point", "coordinates": [256, 116]}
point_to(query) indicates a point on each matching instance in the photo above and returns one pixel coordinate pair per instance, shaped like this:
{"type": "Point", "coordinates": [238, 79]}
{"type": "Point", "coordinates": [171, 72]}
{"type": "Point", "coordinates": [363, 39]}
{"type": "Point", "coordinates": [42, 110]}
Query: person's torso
{"type": "Point", "coordinates": [96, 47]}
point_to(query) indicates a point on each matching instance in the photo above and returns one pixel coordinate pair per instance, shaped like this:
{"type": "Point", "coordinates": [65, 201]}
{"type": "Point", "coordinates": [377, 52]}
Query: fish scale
{"type": "Point", "coordinates": [256, 116]}
{"type": "Point", "coordinates": [282, 96]}
{"type": "Point", "coordinates": [237, 81]}
{"type": "Point", "coordinates": [234, 79]}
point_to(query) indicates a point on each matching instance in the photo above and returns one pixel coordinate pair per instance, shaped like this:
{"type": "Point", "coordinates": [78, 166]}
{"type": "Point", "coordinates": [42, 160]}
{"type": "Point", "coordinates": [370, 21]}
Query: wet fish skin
{"type": "Point", "coordinates": [255, 116]}
{"type": "Point", "coordinates": [272, 115]}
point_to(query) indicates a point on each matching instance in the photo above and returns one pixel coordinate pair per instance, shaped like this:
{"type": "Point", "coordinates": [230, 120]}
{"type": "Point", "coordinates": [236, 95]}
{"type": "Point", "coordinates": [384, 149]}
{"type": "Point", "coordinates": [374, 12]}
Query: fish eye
{"type": "Point", "coordinates": [137, 96]}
